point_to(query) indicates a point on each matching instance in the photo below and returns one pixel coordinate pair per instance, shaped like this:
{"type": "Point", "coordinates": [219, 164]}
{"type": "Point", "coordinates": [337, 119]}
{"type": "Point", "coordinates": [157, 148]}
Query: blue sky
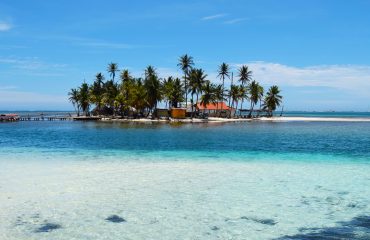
{"type": "Point", "coordinates": [316, 51]}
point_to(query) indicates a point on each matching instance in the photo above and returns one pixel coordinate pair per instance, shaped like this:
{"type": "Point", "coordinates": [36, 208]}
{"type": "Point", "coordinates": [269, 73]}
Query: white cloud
{"type": "Point", "coordinates": [11, 100]}
{"type": "Point", "coordinates": [235, 20]}
{"type": "Point", "coordinates": [30, 63]}
{"type": "Point", "coordinates": [345, 77]}
{"type": "Point", "coordinates": [5, 26]}
{"type": "Point", "coordinates": [2, 88]}
{"type": "Point", "coordinates": [90, 42]}
{"type": "Point", "coordinates": [106, 44]}
{"type": "Point", "coordinates": [214, 16]}
{"type": "Point", "coordinates": [354, 79]}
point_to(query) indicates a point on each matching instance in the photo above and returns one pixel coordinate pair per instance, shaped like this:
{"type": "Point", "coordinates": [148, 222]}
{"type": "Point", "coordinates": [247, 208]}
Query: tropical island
{"type": "Point", "coordinates": [193, 96]}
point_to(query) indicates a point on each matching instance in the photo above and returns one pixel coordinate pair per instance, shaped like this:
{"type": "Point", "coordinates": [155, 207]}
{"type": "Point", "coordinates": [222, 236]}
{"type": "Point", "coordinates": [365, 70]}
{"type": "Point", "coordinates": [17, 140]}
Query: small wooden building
{"type": "Point", "coordinates": [162, 113]}
{"type": "Point", "coordinates": [178, 113]}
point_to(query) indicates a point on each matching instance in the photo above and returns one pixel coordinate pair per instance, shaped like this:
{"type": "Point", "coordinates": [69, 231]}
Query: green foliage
{"type": "Point", "coordinates": [273, 99]}
{"type": "Point", "coordinates": [112, 69]}
{"type": "Point", "coordinates": [186, 63]}
{"type": "Point", "coordinates": [84, 98]}
{"type": "Point", "coordinates": [136, 96]}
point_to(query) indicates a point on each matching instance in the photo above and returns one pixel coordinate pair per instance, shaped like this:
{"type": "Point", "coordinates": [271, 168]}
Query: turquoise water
{"type": "Point", "coordinates": [331, 139]}
{"type": "Point", "coordinates": [249, 180]}
{"type": "Point", "coordinates": [326, 114]}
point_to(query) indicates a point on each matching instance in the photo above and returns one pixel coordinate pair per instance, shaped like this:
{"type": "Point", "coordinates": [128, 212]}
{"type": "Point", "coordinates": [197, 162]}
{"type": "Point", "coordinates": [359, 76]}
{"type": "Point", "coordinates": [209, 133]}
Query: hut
{"type": "Point", "coordinates": [178, 113]}
{"type": "Point", "coordinates": [217, 109]}
{"type": "Point", "coordinates": [162, 113]}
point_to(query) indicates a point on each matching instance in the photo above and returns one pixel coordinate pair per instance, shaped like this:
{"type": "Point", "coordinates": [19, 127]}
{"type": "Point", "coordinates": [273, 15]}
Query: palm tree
{"type": "Point", "coordinates": [120, 103]}
{"type": "Point", "coordinates": [197, 77]}
{"type": "Point", "coordinates": [243, 92]}
{"type": "Point", "coordinates": [223, 71]}
{"type": "Point", "coordinates": [84, 98]}
{"type": "Point", "coordinates": [96, 91]}
{"type": "Point", "coordinates": [235, 94]}
{"type": "Point", "coordinates": [126, 83]}
{"type": "Point", "coordinates": [245, 76]}
{"type": "Point", "coordinates": [112, 69]}
{"type": "Point", "coordinates": [208, 96]}
{"type": "Point", "coordinates": [177, 93]}
{"type": "Point", "coordinates": [273, 99]}
{"type": "Point", "coordinates": [260, 94]}
{"type": "Point", "coordinates": [153, 87]}
{"type": "Point", "coordinates": [186, 63]}
{"type": "Point", "coordinates": [167, 88]}
{"type": "Point", "coordinates": [74, 98]}
{"type": "Point", "coordinates": [254, 92]}
{"type": "Point", "coordinates": [150, 71]}
{"type": "Point", "coordinates": [219, 95]}
{"type": "Point", "coordinates": [139, 96]}
{"type": "Point", "coordinates": [110, 94]}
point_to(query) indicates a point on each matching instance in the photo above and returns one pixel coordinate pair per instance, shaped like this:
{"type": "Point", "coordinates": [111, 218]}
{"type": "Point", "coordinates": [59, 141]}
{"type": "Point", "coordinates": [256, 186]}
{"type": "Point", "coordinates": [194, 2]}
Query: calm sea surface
{"type": "Point", "coordinates": [249, 180]}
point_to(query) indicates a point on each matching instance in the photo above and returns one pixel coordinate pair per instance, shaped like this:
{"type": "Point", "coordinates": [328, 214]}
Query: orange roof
{"type": "Point", "coordinates": [213, 106]}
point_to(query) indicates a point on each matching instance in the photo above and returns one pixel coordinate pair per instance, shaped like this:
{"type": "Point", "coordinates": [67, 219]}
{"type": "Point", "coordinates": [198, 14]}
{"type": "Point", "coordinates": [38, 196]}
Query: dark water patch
{"type": "Point", "coordinates": [20, 222]}
{"type": "Point", "coordinates": [37, 215]}
{"type": "Point", "coordinates": [115, 219]}
{"type": "Point", "coordinates": [215, 228]}
{"type": "Point", "coordinates": [357, 228]}
{"type": "Point", "coordinates": [360, 221]}
{"type": "Point", "coordinates": [352, 205]}
{"type": "Point", "coordinates": [48, 227]}
{"type": "Point", "coordinates": [356, 205]}
{"type": "Point", "coordinates": [305, 202]}
{"type": "Point", "coordinates": [333, 200]}
{"type": "Point", "coordinates": [270, 222]}
{"type": "Point", "coordinates": [342, 193]}
{"type": "Point", "coordinates": [153, 221]}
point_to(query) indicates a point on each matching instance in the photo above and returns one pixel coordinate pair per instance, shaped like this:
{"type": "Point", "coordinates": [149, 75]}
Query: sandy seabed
{"type": "Point", "coordinates": [114, 199]}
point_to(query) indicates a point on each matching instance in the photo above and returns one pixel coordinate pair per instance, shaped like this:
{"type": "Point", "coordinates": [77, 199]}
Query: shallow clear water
{"type": "Point", "coordinates": [250, 180]}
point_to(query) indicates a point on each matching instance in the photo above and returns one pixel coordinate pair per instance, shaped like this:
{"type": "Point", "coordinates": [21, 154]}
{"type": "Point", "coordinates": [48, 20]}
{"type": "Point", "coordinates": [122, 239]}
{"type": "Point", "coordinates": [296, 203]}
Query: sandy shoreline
{"type": "Point", "coordinates": [223, 120]}
{"type": "Point", "coordinates": [315, 119]}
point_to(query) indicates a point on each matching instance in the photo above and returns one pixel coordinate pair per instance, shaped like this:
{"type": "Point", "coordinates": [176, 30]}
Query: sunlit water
{"type": "Point", "coordinates": [288, 180]}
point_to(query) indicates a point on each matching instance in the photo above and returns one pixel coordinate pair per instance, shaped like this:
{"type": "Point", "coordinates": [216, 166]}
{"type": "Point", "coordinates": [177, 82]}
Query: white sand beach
{"type": "Point", "coordinates": [225, 120]}
{"type": "Point", "coordinates": [314, 119]}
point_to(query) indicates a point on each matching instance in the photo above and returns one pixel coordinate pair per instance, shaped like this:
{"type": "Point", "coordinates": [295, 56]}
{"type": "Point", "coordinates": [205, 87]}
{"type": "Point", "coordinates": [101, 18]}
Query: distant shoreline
{"type": "Point", "coordinates": [226, 120]}
{"type": "Point", "coordinates": [286, 118]}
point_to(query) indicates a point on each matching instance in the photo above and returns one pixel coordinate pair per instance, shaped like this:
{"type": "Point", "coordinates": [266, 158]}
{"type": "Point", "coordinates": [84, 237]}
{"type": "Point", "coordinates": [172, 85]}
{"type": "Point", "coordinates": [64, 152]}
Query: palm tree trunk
{"type": "Point", "coordinates": [223, 90]}
{"type": "Point", "coordinates": [186, 92]}
{"type": "Point", "coordinates": [260, 103]}
{"type": "Point", "coordinates": [232, 78]}
{"type": "Point", "coordinates": [251, 109]}
{"type": "Point", "coordinates": [192, 105]}
{"type": "Point", "coordinates": [196, 101]}
{"type": "Point", "coordinates": [241, 107]}
{"type": "Point", "coordinates": [236, 107]}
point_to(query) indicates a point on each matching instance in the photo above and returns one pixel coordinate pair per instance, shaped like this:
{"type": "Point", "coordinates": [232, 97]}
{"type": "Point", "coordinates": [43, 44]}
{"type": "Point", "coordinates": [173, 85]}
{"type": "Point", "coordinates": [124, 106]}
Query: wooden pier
{"type": "Point", "coordinates": [45, 118]}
